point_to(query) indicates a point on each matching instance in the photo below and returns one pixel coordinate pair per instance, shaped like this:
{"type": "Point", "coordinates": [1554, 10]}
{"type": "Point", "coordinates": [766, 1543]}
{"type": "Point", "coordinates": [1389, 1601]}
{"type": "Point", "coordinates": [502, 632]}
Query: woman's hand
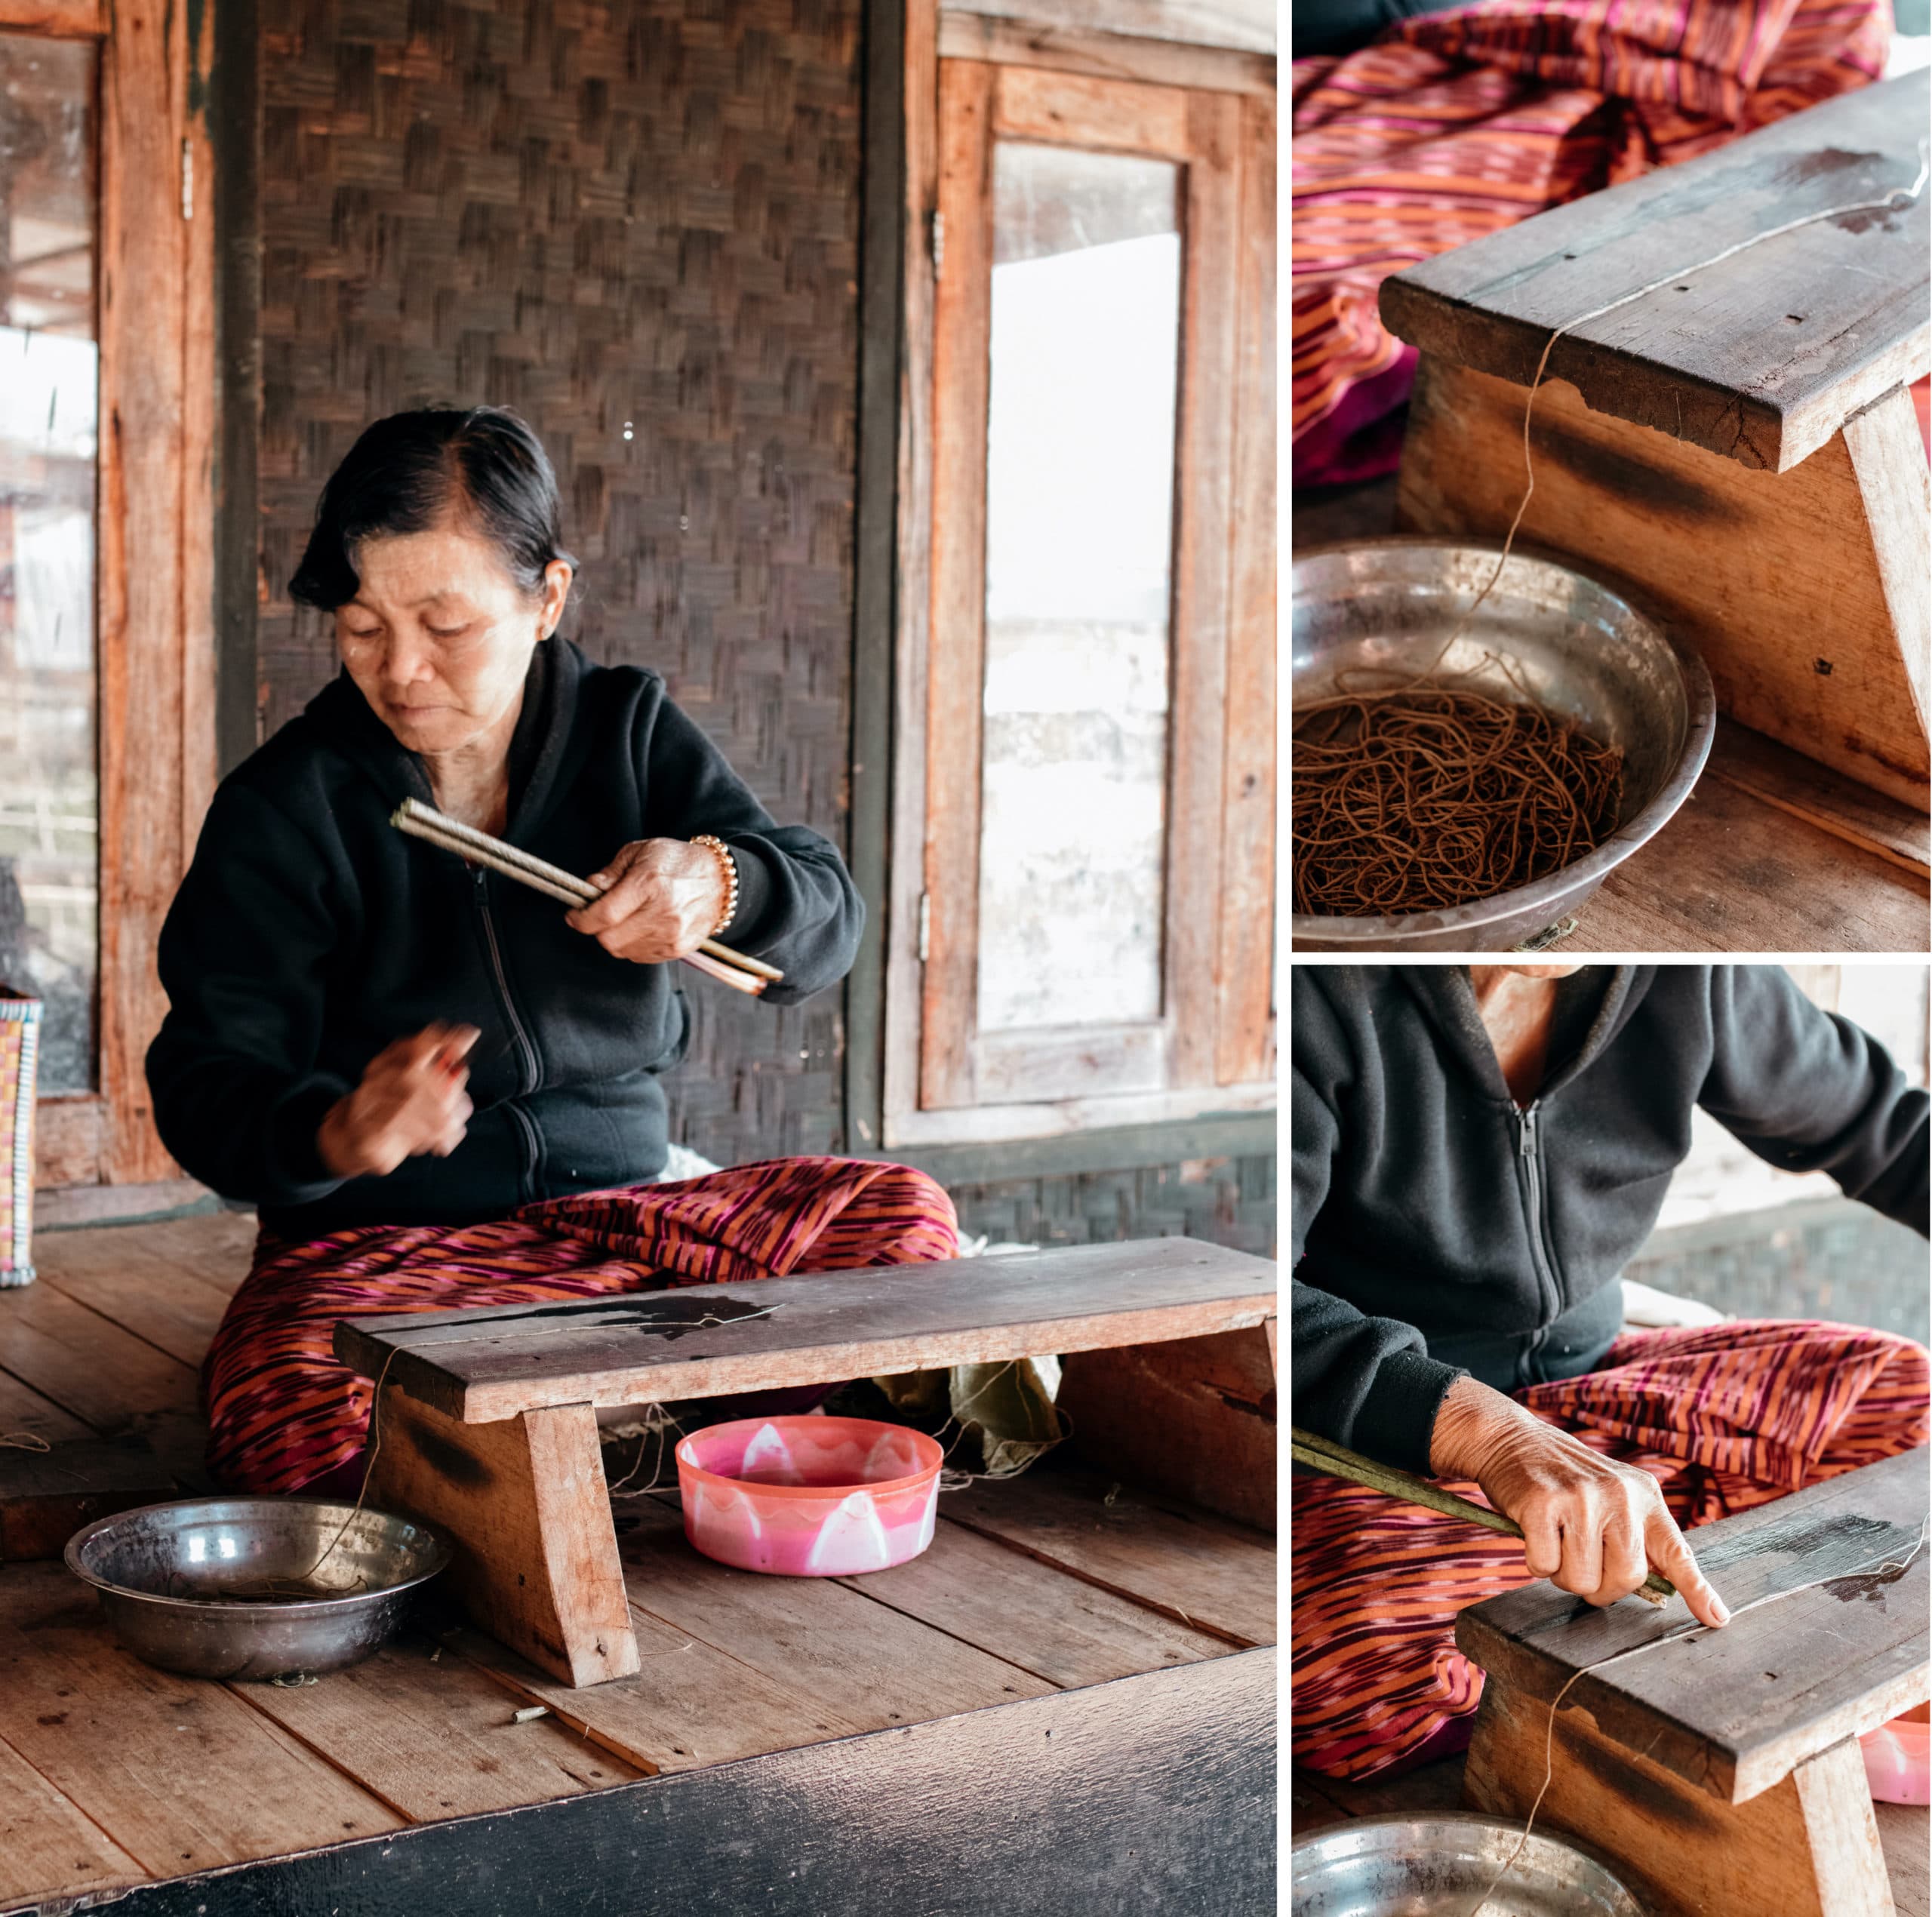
{"type": "Point", "coordinates": [1589, 1524]}
{"type": "Point", "coordinates": [411, 1100]}
{"type": "Point", "coordinates": [662, 899]}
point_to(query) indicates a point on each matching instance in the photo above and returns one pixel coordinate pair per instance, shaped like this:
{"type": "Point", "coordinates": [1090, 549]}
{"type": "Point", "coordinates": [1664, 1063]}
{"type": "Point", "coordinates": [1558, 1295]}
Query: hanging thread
{"type": "Point", "coordinates": [1899, 197]}
{"type": "Point", "coordinates": [1421, 797]}
{"type": "Point", "coordinates": [1677, 1636]}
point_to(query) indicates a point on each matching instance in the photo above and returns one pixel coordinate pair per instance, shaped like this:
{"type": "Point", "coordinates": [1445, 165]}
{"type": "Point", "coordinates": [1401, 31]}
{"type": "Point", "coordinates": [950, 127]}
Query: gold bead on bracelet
{"type": "Point", "coordinates": [728, 867]}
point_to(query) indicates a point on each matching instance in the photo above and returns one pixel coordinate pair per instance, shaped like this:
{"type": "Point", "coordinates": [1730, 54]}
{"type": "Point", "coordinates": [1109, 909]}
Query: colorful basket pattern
{"type": "Point", "coordinates": [19, 1055]}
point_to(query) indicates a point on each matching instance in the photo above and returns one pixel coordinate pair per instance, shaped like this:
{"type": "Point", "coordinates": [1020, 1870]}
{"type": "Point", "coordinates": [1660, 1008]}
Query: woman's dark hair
{"type": "Point", "coordinates": [407, 473]}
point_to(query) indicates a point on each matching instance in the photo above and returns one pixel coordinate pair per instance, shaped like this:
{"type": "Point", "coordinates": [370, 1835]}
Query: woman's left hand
{"type": "Point", "coordinates": [662, 899]}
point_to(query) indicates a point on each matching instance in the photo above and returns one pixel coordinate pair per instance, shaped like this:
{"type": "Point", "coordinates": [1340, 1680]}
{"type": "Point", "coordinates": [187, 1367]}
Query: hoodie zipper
{"type": "Point", "coordinates": [1532, 1174]}
{"type": "Point", "coordinates": [526, 1051]}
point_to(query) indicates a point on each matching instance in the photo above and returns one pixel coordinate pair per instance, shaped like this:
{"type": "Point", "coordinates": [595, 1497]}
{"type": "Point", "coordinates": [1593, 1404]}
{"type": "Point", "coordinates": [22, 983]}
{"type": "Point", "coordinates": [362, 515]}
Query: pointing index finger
{"type": "Point", "coordinates": [1667, 1550]}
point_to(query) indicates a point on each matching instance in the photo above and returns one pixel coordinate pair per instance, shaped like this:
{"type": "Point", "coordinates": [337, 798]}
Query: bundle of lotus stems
{"type": "Point", "coordinates": [424, 822]}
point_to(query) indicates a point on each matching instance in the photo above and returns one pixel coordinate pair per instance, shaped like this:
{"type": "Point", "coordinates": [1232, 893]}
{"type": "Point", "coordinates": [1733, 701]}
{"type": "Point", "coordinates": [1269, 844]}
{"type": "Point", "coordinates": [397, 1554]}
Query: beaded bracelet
{"type": "Point", "coordinates": [721, 853]}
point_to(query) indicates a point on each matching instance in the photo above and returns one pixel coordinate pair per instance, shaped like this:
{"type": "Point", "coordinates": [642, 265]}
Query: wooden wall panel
{"type": "Point", "coordinates": [642, 213]}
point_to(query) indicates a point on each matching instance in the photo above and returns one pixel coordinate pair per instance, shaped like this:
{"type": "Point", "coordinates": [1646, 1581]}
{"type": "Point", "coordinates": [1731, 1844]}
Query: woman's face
{"type": "Point", "coordinates": [438, 636]}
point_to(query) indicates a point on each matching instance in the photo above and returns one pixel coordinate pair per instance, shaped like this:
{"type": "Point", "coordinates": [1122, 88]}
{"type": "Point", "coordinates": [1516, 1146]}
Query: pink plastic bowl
{"type": "Point", "coordinates": [809, 1497]}
{"type": "Point", "coordinates": [1897, 1760]}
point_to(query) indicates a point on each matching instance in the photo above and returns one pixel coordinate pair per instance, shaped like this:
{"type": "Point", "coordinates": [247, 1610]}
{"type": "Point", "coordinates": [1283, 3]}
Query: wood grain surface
{"type": "Point", "coordinates": [433, 1735]}
{"type": "Point", "coordinates": [478, 1366]}
{"type": "Point", "coordinates": [45, 1496]}
{"type": "Point", "coordinates": [871, 1666]}
{"type": "Point", "coordinates": [523, 1504]}
{"type": "Point", "coordinates": [1195, 1417]}
{"type": "Point", "coordinates": [110, 1772]}
{"type": "Point", "coordinates": [1214, 1577]}
{"type": "Point", "coordinates": [1806, 1847]}
{"type": "Point", "coordinates": [1760, 359]}
{"type": "Point", "coordinates": [1735, 1710]}
{"type": "Point", "coordinates": [182, 1774]}
{"type": "Point", "coordinates": [1747, 865]}
{"type": "Point", "coordinates": [1805, 595]}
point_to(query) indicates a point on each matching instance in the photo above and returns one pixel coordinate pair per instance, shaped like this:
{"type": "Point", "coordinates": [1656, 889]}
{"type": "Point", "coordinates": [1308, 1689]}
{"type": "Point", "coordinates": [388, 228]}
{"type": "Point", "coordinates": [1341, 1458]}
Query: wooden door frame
{"type": "Point", "coordinates": [1230, 1068]}
{"type": "Point", "coordinates": [155, 624]}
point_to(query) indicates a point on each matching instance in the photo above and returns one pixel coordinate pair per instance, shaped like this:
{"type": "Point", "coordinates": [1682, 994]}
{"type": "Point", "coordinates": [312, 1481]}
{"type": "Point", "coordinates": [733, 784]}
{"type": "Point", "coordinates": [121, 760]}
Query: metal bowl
{"type": "Point", "coordinates": [1577, 646]}
{"type": "Point", "coordinates": [149, 1565]}
{"type": "Point", "coordinates": [1404, 1866]}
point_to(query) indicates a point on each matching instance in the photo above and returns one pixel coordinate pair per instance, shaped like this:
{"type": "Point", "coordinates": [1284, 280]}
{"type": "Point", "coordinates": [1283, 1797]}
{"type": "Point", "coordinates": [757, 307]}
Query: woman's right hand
{"type": "Point", "coordinates": [1590, 1526]}
{"type": "Point", "coordinates": [411, 1100]}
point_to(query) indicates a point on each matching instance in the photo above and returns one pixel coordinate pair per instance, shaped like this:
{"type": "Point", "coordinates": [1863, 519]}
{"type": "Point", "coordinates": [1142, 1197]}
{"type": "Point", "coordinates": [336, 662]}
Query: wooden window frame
{"type": "Point", "coordinates": [1213, 111]}
{"type": "Point", "coordinates": [154, 642]}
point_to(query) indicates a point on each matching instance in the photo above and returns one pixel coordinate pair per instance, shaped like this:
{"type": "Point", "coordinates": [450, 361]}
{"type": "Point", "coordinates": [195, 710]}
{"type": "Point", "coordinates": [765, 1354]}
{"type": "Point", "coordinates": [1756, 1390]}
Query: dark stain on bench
{"type": "Point", "coordinates": [1633, 1784]}
{"type": "Point", "coordinates": [663, 1314]}
{"type": "Point", "coordinates": [1653, 487]}
{"type": "Point", "coordinates": [448, 1460]}
{"type": "Point", "coordinates": [1827, 160]}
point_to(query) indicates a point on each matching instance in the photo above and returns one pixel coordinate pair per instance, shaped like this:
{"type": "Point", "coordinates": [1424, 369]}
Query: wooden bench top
{"type": "Point", "coordinates": [1761, 359]}
{"type": "Point", "coordinates": [1736, 1710]}
{"type": "Point", "coordinates": [480, 1366]}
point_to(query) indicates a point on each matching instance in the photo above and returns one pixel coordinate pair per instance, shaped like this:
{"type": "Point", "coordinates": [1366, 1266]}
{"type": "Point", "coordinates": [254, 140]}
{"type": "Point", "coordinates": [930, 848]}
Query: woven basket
{"type": "Point", "coordinates": [20, 1054]}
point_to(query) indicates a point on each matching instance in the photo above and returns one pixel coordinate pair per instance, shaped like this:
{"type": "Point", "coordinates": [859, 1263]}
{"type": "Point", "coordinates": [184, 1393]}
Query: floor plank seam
{"type": "Point", "coordinates": [79, 1810]}
{"type": "Point", "coordinates": [240, 1693]}
{"type": "Point", "coordinates": [1012, 1663]}
{"type": "Point", "coordinates": [59, 1404]}
{"type": "Point", "coordinates": [81, 1304]}
{"type": "Point", "coordinates": [509, 1681]}
{"type": "Point", "coordinates": [1159, 1606]}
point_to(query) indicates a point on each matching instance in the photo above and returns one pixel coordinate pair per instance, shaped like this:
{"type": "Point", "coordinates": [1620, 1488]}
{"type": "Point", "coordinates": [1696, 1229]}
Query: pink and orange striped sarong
{"type": "Point", "coordinates": [1456, 123]}
{"type": "Point", "coordinates": [282, 1413]}
{"type": "Point", "coordinates": [1725, 1417]}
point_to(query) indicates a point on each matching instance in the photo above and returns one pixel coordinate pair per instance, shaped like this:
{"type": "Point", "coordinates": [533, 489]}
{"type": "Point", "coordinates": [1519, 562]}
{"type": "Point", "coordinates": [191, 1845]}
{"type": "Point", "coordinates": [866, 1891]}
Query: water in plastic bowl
{"type": "Point", "coordinates": [809, 1497]}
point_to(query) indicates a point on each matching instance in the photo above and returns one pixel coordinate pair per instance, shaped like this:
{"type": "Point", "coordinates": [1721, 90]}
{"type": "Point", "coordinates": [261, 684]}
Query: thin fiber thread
{"type": "Point", "coordinates": [1423, 797]}
{"type": "Point", "coordinates": [1430, 797]}
{"type": "Point", "coordinates": [1675, 1637]}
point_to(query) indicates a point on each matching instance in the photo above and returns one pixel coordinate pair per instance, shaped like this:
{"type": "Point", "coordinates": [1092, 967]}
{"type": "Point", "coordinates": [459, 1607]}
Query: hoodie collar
{"type": "Point", "coordinates": [1449, 1003]}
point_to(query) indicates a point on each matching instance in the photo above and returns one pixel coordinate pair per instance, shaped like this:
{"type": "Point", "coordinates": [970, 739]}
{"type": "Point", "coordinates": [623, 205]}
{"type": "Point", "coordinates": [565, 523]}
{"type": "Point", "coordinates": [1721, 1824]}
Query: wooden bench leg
{"type": "Point", "coordinates": [1808, 1847]}
{"type": "Point", "coordinates": [1192, 1416]}
{"type": "Point", "coordinates": [524, 1506]}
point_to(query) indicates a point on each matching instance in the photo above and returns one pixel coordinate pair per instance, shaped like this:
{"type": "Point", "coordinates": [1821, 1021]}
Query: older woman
{"type": "Point", "coordinates": [1477, 1153]}
{"type": "Point", "coordinates": [413, 1067]}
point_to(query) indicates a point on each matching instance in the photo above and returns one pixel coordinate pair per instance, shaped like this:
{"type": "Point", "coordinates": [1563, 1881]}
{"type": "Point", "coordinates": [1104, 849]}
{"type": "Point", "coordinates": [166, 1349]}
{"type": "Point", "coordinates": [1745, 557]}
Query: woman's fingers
{"type": "Point", "coordinates": [624, 884]}
{"type": "Point", "coordinates": [1542, 1540]}
{"type": "Point", "coordinates": [1673, 1557]}
{"type": "Point", "coordinates": [458, 1042]}
{"type": "Point", "coordinates": [1582, 1571]}
{"type": "Point", "coordinates": [660, 899]}
{"type": "Point", "coordinates": [1625, 1566]}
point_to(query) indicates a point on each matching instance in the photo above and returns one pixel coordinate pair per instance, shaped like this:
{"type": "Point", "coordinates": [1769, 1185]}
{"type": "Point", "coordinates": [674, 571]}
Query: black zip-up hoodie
{"type": "Point", "coordinates": [308, 934]}
{"type": "Point", "coordinates": [1437, 1228]}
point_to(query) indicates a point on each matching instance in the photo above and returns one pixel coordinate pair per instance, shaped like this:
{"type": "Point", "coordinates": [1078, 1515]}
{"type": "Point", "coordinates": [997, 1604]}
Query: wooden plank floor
{"type": "Point", "coordinates": [112, 1774]}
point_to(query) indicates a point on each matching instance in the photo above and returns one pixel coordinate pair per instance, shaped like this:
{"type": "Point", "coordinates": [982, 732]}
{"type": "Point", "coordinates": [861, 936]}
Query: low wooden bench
{"type": "Point", "coordinates": [1724, 1775]}
{"type": "Point", "coordinates": [1738, 451]}
{"type": "Point", "coordinates": [486, 1425]}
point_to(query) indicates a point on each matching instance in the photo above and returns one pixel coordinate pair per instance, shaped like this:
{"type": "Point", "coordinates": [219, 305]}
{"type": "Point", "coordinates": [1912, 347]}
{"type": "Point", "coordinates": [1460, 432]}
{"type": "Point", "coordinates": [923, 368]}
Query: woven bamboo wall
{"type": "Point", "coordinates": [642, 214]}
{"type": "Point", "coordinates": [1225, 1201]}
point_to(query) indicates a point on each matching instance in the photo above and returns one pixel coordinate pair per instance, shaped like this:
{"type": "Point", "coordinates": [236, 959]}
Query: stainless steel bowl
{"type": "Point", "coordinates": [1576, 646]}
{"type": "Point", "coordinates": [1405, 1866]}
{"type": "Point", "coordinates": [148, 1564]}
